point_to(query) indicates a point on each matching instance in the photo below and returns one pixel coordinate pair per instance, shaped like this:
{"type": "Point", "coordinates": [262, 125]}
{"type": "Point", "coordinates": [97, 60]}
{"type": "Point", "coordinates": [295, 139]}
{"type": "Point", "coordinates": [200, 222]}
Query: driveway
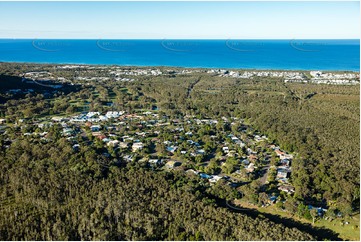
{"type": "Point", "coordinates": [264, 177]}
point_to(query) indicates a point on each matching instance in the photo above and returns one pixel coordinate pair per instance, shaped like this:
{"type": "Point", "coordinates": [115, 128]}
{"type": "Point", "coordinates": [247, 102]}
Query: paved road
{"type": "Point", "coordinates": [190, 88]}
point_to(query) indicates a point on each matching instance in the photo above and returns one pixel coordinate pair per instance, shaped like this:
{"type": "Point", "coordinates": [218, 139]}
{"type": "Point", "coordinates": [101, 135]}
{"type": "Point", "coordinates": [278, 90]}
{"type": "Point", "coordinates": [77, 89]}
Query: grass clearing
{"type": "Point", "coordinates": [350, 232]}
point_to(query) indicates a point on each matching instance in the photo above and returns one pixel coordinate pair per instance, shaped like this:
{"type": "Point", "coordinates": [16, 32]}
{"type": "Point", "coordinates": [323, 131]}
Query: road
{"type": "Point", "coordinates": [190, 88]}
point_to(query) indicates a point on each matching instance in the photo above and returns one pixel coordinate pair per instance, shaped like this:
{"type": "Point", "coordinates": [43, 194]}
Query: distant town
{"type": "Point", "coordinates": [132, 74]}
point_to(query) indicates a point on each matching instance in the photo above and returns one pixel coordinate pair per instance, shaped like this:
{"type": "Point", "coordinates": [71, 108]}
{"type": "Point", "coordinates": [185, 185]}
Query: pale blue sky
{"type": "Point", "coordinates": [192, 20]}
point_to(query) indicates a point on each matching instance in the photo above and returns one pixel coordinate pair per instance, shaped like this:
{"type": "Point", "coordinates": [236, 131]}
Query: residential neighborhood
{"type": "Point", "coordinates": [317, 77]}
{"type": "Point", "coordinates": [201, 147]}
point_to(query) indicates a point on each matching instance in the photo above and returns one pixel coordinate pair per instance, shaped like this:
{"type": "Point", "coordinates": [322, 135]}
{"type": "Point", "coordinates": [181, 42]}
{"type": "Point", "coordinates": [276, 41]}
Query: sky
{"type": "Point", "coordinates": [180, 20]}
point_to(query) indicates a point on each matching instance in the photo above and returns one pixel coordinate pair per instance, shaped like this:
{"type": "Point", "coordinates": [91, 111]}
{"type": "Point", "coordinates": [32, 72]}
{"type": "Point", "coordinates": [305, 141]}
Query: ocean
{"type": "Point", "coordinates": [335, 55]}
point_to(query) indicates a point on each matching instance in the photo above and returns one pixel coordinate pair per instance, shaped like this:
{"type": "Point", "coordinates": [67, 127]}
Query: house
{"type": "Point", "coordinates": [96, 133]}
{"type": "Point", "coordinates": [240, 143]}
{"type": "Point", "coordinates": [154, 140]}
{"type": "Point", "coordinates": [92, 114]}
{"type": "Point", "coordinates": [123, 145]}
{"type": "Point", "coordinates": [272, 199]}
{"type": "Point", "coordinates": [76, 147]}
{"type": "Point", "coordinates": [282, 180]}
{"type": "Point", "coordinates": [43, 134]}
{"type": "Point", "coordinates": [232, 153]}
{"type": "Point", "coordinates": [106, 140]}
{"type": "Point", "coordinates": [286, 156]}
{"type": "Point", "coordinates": [285, 162]}
{"type": "Point", "coordinates": [114, 114]}
{"type": "Point", "coordinates": [95, 128]}
{"type": "Point", "coordinates": [154, 162]}
{"type": "Point", "coordinates": [101, 136]}
{"type": "Point", "coordinates": [128, 158]}
{"type": "Point", "coordinates": [137, 146]}
{"type": "Point", "coordinates": [171, 149]}
{"type": "Point", "coordinates": [215, 178]}
{"type": "Point", "coordinates": [234, 138]}
{"type": "Point", "coordinates": [113, 143]}
{"type": "Point", "coordinates": [111, 128]}
{"type": "Point", "coordinates": [172, 164]}
{"type": "Point", "coordinates": [252, 157]}
{"type": "Point", "coordinates": [250, 168]}
{"type": "Point", "coordinates": [126, 137]}
{"type": "Point", "coordinates": [251, 152]}
{"type": "Point", "coordinates": [64, 125]}
{"type": "Point", "coordinates": [279, 152]}
{"type": "Point", "coordinates": [257, 138]}
{"type": "Point", "coordinates": [57, 119]}
{"type": "Point", "coordinates": [67, 131]}
{"type": "Point", "coordinates": [245, 162]}
{"type": "Point", "coordinates": [143, 134]}
{"type": "Point", "coordinates": [103, 118]}
{"type": "Point", "coordinates": [282, 173]}
{"type": "Point", "coordinates": [205, 176]}
{"type": "Point", "coordinates": [320, 210]}
{"type": "Point", "coordinates": [191, 171]}
{"type": "Point", "coordinates": [315, 73]}
{"type": "Point", "coordinates": [287, 188]}
{"type": "Point", "coordinates": [200, 152]}
{"type": "Point", "coordinates": [147, 113]}
{"type": "Point", "coordinates": [225, 149]}
{"type": "Point", "coordinates": [196, 144]}
{"type": "Point", "coordinates": [190, 142]}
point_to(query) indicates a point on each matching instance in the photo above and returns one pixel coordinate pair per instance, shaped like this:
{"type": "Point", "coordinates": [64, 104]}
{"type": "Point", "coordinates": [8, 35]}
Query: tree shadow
{"type": "Point", "coordinates": [8, 82]}
{"type": "Point", "coordinates": [317, 232]}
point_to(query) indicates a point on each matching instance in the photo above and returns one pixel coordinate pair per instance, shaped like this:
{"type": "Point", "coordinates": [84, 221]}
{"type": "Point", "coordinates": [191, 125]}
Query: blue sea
{"type": "Point", "coordinates": [231, 53]}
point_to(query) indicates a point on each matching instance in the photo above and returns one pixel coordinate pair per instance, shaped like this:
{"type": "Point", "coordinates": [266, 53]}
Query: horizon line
{"type": "Point", "coordinates": [9, 38]}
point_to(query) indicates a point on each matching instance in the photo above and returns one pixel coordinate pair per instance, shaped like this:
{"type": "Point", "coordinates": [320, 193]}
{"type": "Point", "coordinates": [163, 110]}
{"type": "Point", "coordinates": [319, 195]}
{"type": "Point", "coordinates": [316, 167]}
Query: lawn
{"type": "Point", "coordinates": [349, 231]}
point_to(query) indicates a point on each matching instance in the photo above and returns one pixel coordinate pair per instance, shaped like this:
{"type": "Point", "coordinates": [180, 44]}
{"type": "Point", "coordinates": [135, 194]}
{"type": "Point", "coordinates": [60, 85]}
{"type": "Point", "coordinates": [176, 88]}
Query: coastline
{"type": "Point", "coordinates": [177, 67]}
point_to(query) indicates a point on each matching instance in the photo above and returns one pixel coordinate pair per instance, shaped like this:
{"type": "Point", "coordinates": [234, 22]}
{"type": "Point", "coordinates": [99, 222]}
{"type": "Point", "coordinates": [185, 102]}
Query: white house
{"type": "Point", "coordinates": [137, 146]}
{"type": "Point", "coordinates": [225, 149]}
{"type": "Point", "coordinates": [113, 143]}
{"type": "Point", "coordinates": [215, 178]}
{"type": "Point", "coordinates": [91, 114]}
